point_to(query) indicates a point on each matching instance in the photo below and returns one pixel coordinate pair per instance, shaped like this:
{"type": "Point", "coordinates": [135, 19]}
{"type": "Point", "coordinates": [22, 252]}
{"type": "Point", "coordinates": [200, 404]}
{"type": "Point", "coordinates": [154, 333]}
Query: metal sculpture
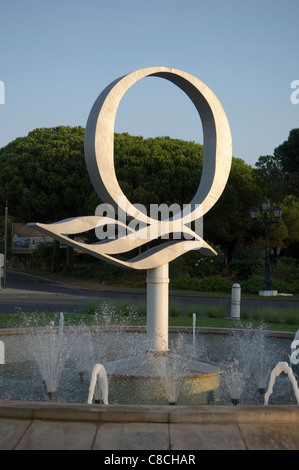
{"type": "Point", "coordinates": [99, 155]}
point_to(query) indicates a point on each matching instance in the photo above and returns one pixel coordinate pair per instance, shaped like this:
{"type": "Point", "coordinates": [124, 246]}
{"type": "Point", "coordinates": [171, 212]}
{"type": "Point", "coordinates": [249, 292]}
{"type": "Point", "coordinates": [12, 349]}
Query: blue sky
{"type": "Point", "coordinates": [57, 56]}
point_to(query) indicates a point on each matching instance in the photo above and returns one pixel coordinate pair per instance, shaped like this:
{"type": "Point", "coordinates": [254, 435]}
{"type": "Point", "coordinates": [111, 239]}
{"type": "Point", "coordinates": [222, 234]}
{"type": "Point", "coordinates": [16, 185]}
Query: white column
{"type": "Point", "coordinates": [157, 307]}
{"type": "Point", "coordinates": [2, 353]}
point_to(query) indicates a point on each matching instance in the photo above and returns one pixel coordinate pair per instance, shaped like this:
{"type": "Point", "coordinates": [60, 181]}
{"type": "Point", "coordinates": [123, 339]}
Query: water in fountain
{"type": "Point", "coordinates": [254, 352]}
{"type": "Point", "coordinates": [103, 343]}
{"type": "Point", "coordinates": [171, 369]}
{"type": "Point", "coordinates": [64, 357]}
{"type": "Point", "coordinates": [233, 381]}
{"type": "Point", "coordinates": [63, 353]}
{"type": "Point", "coordinates": [50, 350]}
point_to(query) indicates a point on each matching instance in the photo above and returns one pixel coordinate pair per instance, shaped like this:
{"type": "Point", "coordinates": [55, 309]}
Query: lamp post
{"type": "Point", "coordinates": [267, 286]}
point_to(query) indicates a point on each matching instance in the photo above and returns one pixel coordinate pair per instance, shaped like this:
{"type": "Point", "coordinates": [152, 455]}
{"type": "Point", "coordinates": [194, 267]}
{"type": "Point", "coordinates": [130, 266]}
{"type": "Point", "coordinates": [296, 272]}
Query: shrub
{"type": "Point", "coordinates": [286, 269]}
{"type": "Point", "coordinates": [185, 282]}
{"type": "Point", "coordinates": [207, 284]}
{"type": "Point", "coordinates": [255, 284]}
{"type": "Point", "coordinates": [247, 262]}
{"type": "Point", "coordinates": [198, 265]}
{"type": "Point", "coordinates": [215, 284]}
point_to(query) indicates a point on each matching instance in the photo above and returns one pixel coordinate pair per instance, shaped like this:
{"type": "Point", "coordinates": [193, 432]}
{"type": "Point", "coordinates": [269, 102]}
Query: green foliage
{"type": "Point", "coordinates": [215, 284]}
{"type": "Point", "coordinates": [42, 256]}
{"type": "Point", "coordinates": [157, 170]}
{"type": "Point", "coordinates": [44, 177]}
{"type": "Point", "coordinates": [100, 271]}
{"type": "Point", "coordinates": [288, 153]}
{"type": "Point", "coordinates": [278, 174]}
{"type": "Point", "coordinates": [206, 284]}
{"type": "Point", "coordinates": [228, 222]}
{"type": "Point", "coordinates": [286, 269]}
{"type": "Point", "coordinates": [269, 170]}
{"type": "Point", "coordinates": [290, 216]}
{"type": "Point", "coordinates": [255, 284]}
{"type": "Point", "coordinates": [247, 261]}
{"type": "Point", "coordinates": [267, 315]}
{"type": "Point", "coordinates": [216, 311]}
{"type": "Point", "coordinates": [175, 309]}
{"type": "Point", "coordinates": [198, 265]}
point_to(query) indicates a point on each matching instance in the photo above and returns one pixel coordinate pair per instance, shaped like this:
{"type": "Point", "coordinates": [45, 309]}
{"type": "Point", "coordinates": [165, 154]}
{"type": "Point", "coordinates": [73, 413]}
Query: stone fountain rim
{"type": "Point", "coordinates": [15, 409]}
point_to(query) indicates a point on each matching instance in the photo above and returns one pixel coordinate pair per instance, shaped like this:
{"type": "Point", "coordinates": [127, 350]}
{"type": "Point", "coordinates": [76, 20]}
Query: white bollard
{"type": "Point", "coordinates": [235, 302]}
{"type": "Point", "coordinates": [1, 269]}
{"type": "Point", "coordinates": [2, 353]}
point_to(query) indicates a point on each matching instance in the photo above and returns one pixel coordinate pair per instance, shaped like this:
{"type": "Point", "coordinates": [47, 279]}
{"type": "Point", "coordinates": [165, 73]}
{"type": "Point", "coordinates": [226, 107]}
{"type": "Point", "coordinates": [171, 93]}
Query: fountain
{"type": "Point", "coordinates": [99, 372]}
{"type": "Point", "coordinates": [278, 369]}
{"type": "Point", "coordinates": [151, 372]}
{"type": "Point", "coordinates": [144, 230]}
{"type": "Point", "coordinates": [234, 381]}
{"type": "Point", "coordinates": [251, 349]}
{"type": "Point", "coordinates": [50, 351]}
{"type": "Point", "coordinates": [68, 360]}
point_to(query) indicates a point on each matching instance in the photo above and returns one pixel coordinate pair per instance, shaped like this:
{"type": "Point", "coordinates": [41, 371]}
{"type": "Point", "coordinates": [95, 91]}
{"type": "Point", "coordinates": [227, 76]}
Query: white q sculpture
{"type": "Point", "coordinates": [99, 155]}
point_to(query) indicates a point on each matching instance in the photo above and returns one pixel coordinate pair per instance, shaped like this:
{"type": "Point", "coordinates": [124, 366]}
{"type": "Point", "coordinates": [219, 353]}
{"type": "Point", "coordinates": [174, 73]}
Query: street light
{"type": "Point", "coordinates": [267, 286]}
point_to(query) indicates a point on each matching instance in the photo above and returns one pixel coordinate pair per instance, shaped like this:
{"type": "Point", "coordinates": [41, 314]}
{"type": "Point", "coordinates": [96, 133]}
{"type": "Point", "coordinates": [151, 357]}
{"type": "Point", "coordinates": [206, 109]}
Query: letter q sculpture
{"type": "Point", "coordinates": [99, 155]}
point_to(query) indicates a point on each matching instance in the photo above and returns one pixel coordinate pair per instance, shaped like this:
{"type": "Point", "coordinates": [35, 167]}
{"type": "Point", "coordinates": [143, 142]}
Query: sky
{"type": "Point", "coordinates": [57, 56]}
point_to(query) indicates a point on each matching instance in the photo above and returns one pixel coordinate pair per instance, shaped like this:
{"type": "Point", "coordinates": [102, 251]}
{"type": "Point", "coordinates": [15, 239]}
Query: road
{"type": "Point", "coordinates": [32, 294]}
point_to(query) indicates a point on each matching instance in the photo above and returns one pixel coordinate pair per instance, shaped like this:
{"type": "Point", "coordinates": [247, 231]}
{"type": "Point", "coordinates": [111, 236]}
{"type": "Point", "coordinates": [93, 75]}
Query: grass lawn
{"type": "Point", "coordinates": [19, 320]}
{"type": "Point", "coordinates": [286, 319]}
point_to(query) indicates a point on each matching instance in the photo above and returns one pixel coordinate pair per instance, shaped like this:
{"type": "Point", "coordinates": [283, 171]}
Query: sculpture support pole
{"type": "Point", "coordinates": [157, 308]}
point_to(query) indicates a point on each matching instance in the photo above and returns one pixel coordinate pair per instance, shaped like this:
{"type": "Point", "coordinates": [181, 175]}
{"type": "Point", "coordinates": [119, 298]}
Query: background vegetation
{"type": "Point", "coordinates": [43, 177]}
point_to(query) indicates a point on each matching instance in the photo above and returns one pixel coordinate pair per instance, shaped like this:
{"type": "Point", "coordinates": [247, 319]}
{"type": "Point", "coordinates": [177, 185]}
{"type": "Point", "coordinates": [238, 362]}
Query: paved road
{"type": "Point", "coordinates": [32, 294]}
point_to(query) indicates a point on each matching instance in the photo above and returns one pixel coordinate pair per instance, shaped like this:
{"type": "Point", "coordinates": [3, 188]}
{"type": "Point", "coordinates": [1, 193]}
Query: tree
{"type": "Point", "coordinates": [288, 153]}
{"type": "Point", "coordinates": [278, 174]}
{"type": "Point", "coordinates": [290, 216]}
{"type": "Point", "coordinates": [288, 156]}
{"type": "Point", "coordinates": [270, 178]}
{"type": "Point", "coordinates": [228, 223]}
{"type": "Point", "coordinates": [157, 170]}
{"type": "Point", "coordinates": [43, 176]}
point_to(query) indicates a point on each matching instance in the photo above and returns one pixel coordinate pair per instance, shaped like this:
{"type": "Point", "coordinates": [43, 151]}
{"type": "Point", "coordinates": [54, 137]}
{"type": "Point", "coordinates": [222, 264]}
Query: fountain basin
{"type": "Point", "coordinates": [135, 374]}
{"type": "Point", "coordinates": [170, 378]}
